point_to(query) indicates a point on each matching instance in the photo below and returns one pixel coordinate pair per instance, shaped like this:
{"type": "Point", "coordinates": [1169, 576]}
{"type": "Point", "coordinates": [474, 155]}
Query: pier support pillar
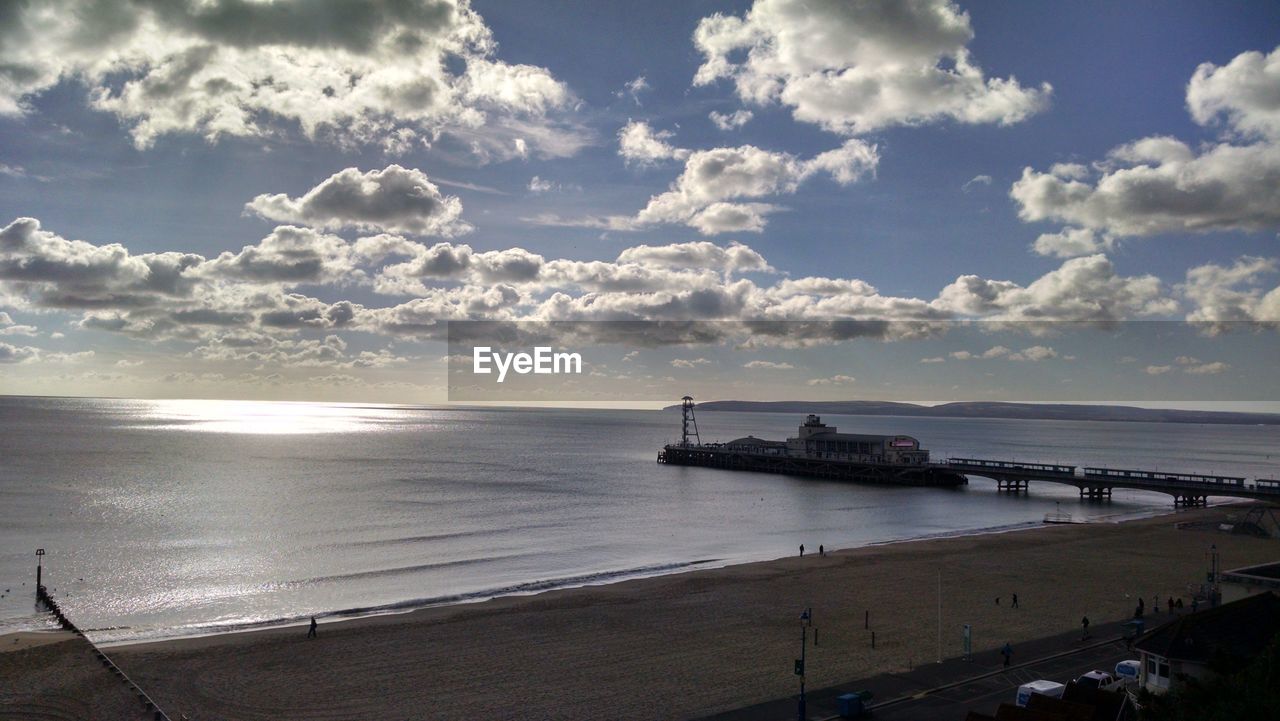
{"type": "Point", "coordinates": [1012, 485]}
{"type": "Point", "coordinates": [1095, 493]}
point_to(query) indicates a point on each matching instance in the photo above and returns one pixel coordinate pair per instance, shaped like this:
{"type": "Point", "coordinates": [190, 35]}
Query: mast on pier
{"type": "Point", "coordinates": [688, 422]}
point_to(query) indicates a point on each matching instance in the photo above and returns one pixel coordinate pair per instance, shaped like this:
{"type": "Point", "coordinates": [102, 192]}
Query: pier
{"type": "Point", "coordinates": [821, 452]}
{"type": "Point", "coordinates": [1094, 483]}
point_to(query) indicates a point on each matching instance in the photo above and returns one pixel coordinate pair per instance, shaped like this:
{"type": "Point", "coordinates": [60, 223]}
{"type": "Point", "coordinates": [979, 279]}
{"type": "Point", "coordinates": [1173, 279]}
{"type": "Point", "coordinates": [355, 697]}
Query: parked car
{"type": "Point", "coordinates": [1100, 680]}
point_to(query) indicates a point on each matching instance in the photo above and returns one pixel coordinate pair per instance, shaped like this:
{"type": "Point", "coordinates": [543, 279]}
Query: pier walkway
{"type": "Point", "coordinates": [1187, 489]}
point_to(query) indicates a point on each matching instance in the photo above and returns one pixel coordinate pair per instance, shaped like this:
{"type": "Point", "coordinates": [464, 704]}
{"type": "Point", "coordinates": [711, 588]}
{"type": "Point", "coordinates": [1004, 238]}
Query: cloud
{"type": "Point", "coordinates": [17, 354]}
{"type": "Point", "coordinates": [1070, 243]}
{"type": "Point", "coordinates": [934, 359]}
{"type": "Point", "coordinates": [1081, 289]}
{"type": "Point", "coordinates": [633, 89]}
{"type": "Point", "coordinates": [689, 363]}
{"type": "Point", "coordinates": [975, 181]}
{"type": "Point", "coordinates": [1034, 353]}
{"type": "Point", "coordinates": [541, 185]}
{"type": "Point", "coordinates": [768, 365]}
{"type": "Point", "coordinates": [1243, 93]}
{"type": "Point", "coordinates": [733, 258]}
{"type": "Point", "coordinates": [730, 121]}
{"type": "Point", "coordinates": [394, 200]}
{"type": "Point", "coordinates": [1159, 184]}
{"type": "Point", "coordinates": [699, 196]}
{"type": "Point", "coordinates": [232, 68]}
{"type": "Point", "coordinates": [288, 255]}
{"type": "Point", "coordinates": [1154, 370]}
{"type": "Point", "coordinates": [251, 299]}
{"type": "Point", "coordinates": [1207, 368]}
{"type": "Point", "coordinates": [853, 68]}
{"type": "Point", "coordinates": [1225, 293]}
{"type": "Point", "coordinates": [836, 380]}
{"type": "Point", "coordinates": [640, 144]}
{"type": "Point", "coordinates": [13, 355]}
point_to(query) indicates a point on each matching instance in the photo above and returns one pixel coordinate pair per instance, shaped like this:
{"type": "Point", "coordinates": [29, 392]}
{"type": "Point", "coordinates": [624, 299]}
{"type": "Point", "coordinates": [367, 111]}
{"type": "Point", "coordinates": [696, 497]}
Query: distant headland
{"type": "Point", "coordinates": [995, 409]}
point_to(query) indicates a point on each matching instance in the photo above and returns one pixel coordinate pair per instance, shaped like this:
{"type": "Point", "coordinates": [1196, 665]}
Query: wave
{"type": "Point", "coordinates": [111, 636]}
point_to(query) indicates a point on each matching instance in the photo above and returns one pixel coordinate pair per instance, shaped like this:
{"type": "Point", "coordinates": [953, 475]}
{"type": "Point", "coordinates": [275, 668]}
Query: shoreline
{"type": "Point", "coordinates": [609, 578]}
{"type": "Point", "coordinates": [683, 645]}
{"type": "Point", "coordinates": [339, 619]}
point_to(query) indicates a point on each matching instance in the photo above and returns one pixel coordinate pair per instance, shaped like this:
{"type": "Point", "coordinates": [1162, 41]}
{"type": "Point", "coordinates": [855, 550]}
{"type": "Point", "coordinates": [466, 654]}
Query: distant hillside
{"type": "Point", "coordinates": [985, 409]}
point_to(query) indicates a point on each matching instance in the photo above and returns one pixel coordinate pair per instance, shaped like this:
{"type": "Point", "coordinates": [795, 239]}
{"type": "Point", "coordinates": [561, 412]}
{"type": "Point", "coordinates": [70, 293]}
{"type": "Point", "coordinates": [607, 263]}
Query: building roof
{"type": "Point", "coordinates": [1268, 571]}
{"type": "Point", "coordinates": [1241, 628]}
{"type": "Point", "coordinates": [753, 441]}
{"type": "Point", "coordinates": [831, 434]}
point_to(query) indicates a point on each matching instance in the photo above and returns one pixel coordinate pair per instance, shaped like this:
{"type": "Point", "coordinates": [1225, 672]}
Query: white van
{"type": "Point", "coordinates": [1128, 671]}
{"type": "Point", "coordinates": [1043, 687]}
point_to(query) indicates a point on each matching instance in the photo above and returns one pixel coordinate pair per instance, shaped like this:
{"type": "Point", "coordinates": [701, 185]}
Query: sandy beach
{"type": "Point", "coordinates": [676, 646]}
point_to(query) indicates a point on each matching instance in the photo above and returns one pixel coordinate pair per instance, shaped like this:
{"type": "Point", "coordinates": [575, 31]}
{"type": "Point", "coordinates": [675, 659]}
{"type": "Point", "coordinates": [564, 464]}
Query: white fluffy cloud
{"type": "Point", "coordinates": [855, 67]}
{"type": "Point", "coordinates": [700, 197]}
{"type": "Point", "coordinates": [1236, 292]}
{"type": "Point", "coordinates": [394, 199]}
{"type": "Point", "coordinates": [640, 144]}
{"type": "Point", "coordinates": [1244, 92]}
{"type": "Point", "coordinates": [1081, 289]}
{"type": "Point", "coordinates": [1160, 184]}
{"type": "Point", "coordinates": [1070, 243]}
{"type": "Point", "coordinates": [768, 365]}
{"type": "Point", "coordinates": [730, 121]}
{"type": "Point", "coordinates": [228, 67]}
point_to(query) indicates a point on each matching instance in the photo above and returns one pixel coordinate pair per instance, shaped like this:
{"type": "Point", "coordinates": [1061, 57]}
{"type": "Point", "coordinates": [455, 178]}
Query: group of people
{"type": "Point", "coordinates": [822, 551]}
{"type": "Point", "coordinates": [1172, 604]}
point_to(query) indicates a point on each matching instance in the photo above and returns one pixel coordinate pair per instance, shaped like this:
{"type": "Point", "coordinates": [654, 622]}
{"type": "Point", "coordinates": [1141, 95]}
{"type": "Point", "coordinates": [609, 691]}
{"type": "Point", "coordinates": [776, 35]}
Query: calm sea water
{"type": "Point", "coordinates": [165, 518]}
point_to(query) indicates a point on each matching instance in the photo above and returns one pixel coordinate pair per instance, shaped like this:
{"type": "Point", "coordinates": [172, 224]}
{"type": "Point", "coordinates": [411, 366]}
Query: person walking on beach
{"type": "Point", "coordinates": [1170, 604]}
{"type": "Point", "coordinates": [312, 632]}
{"type": "Point", "coordinates": [802, 550]}
{"type": "Point", "coordinates": [1015, 601]}
{"type": "Point", "coordinates": [1084, 623]}
{"type": "Point", "coordinates": [1007, 652]}
{"type": "Point", "coordinates": [821, 551]}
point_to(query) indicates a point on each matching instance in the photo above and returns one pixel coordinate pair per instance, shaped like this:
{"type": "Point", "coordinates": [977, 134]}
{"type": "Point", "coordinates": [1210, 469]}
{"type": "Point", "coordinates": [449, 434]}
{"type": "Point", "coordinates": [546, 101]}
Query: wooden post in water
{"type": "Point", "coordinates": [39, 559]}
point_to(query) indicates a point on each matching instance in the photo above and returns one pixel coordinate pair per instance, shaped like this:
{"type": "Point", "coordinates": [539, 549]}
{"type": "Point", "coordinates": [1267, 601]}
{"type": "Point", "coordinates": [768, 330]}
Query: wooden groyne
{"type": "Point", "coordinates": [148, 704]}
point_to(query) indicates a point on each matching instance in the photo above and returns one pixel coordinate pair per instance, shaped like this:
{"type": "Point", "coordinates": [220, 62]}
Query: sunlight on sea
{"type": "Point", "coordinates": [266, 417]}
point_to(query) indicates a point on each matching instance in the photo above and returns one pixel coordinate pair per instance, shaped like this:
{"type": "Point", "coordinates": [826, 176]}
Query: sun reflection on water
{"type": "Point", "coordinates": [266, 417]}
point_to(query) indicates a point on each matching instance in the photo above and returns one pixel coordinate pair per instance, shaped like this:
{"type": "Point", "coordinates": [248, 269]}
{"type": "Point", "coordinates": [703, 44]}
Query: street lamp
{"type": "Point", "coordinates": [804, 639]}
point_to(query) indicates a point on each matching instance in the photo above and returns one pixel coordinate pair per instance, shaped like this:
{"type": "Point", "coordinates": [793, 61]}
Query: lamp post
{"type": "Point", "coordinates": [804, 639]}
{"type": "Point", "coordinates": [39, 570]}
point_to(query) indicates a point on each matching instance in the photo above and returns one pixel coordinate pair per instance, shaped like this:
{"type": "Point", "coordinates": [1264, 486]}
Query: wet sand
{"type": "Point", "coordinates": [690, 644]}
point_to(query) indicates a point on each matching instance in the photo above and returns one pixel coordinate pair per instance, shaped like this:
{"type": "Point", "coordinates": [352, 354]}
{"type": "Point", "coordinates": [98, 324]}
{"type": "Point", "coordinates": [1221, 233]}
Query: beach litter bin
{"type": "Point", "coordinates": [851, 705]}
{"type": "Point", "coordinates": [1133, 629]}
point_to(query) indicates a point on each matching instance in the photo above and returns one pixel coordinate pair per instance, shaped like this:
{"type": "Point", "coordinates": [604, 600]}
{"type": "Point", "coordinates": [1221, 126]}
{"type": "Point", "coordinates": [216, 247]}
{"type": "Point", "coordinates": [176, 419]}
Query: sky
{"type": "Point", "coordinates": [293, 200]}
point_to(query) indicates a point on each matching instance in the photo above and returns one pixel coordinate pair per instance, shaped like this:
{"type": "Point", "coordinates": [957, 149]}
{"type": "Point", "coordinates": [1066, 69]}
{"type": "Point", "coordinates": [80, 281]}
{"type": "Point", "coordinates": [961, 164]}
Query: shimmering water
{"type": "Point", "coordinates": [168, 518]}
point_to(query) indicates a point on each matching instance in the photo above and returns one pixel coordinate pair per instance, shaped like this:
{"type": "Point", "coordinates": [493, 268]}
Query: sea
{"type": "Point", "coordinates": [173, 518]}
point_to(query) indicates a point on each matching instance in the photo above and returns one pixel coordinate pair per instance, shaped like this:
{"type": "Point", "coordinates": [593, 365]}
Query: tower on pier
{"type": "Point", "coordinates": [689, 424]}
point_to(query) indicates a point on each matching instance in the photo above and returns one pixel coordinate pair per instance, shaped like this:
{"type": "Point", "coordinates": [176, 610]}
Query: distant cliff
{"type": "Point", "coordinates": [993, 409]}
